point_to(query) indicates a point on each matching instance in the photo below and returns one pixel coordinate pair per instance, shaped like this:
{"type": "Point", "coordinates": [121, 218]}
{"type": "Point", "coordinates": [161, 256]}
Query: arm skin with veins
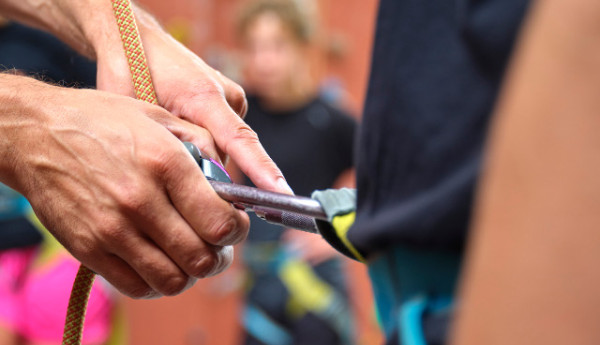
{"type": "Point", "coordinates": [532, 273]}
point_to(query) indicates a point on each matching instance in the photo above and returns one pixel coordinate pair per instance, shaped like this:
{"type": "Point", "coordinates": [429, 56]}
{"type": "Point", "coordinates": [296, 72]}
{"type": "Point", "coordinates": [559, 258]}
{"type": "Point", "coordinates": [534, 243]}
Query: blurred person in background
{"type": "Point", "coordinates": [296, 292]}
{"type": "Point", "coordinates": [36, 272]}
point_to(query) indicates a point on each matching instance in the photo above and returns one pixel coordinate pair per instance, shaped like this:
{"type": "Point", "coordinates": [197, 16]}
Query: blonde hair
{"type": "Point", "coordinates": [299, 20]}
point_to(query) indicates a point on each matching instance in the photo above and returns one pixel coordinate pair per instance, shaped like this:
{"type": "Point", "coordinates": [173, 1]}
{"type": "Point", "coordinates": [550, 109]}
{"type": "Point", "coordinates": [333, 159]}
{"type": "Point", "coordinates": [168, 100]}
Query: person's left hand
{"type": "Point", "coordinates": [188, 88]}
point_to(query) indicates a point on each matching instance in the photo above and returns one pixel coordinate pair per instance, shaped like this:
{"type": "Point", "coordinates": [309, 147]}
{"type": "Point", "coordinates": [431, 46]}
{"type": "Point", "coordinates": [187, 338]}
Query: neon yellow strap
{"type": "Point", "coordinates": [305, 287]}
{"type": "Point", "coordinates": [49, 247]}
{"type": "Point", "coordinates": [341, 225]}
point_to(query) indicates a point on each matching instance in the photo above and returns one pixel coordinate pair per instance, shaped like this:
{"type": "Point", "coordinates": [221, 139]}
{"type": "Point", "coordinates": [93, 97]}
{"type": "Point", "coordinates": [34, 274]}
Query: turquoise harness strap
{"type": "Point", "coordinates": [386, 297]}
{"type": "Point", "coordinates": [410, 321]}
{"type": "Point", "coordinates": [12, 204]}
{"type": "Point", "coordinates": [261, 327]}
{"type": "Point", "coordinates": [408, 283]}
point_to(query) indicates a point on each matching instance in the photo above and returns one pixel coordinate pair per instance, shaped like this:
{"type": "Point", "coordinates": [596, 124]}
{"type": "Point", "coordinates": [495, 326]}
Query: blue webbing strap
{"type": "Point", "coordinates": [261, 327]}
{"type": "Point", "coordinates": [12, 204]}
{"type": "Point", "coordinates": [408, 283]}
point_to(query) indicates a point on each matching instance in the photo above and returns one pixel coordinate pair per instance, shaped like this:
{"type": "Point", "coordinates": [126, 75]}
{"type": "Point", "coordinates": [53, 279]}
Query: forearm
{"type": "Point", "coordinates": [87, 26]}
{"type": "Point", "coordinates": [531, 276]}
{"type": "Point", "coordinates": [67, 19]}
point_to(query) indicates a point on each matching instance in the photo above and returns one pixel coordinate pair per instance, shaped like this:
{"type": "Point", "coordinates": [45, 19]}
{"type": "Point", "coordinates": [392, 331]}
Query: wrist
{"type": "Point", "coordinates": [96, 26]}
{"type": "Point", "coordinates": [113, 67]}
{"type": "Point", "coordinates": [20, 120]}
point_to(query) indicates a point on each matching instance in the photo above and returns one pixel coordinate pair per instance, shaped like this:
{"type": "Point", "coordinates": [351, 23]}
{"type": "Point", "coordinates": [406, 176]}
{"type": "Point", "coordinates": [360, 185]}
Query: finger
{"type": "Point", "coordinates": [186, 131]}
{"type": "Point", "coordinates": [121, 276]}
{"type": "Point", "coordinates": [235, 95]}
{"type": "Point", "coordinates": [213, 219]}
{"type": "Point", "coordinates": [151, 263]}
{"type": "Point", "coordinates": [168, 230]}
{"type": "Point", "coordinates": [240, 142]}
{"type": "Point", "coordinates": [120, 235]}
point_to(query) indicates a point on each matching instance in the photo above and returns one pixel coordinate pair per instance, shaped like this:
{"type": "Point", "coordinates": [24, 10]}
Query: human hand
{"type": "Point", "coordinates": [191, 90]}
{"type": "Point", "coordinates": [115, 187]}
{"type": "Point", "coordinates": [185, 85]}
{"type": "Point", "coordinates": [311, 248]}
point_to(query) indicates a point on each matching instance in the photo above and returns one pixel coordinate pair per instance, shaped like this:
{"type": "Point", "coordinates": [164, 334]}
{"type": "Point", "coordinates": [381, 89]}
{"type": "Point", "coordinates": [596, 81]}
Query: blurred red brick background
{"type": "Point", "coordinates": [208, 313]}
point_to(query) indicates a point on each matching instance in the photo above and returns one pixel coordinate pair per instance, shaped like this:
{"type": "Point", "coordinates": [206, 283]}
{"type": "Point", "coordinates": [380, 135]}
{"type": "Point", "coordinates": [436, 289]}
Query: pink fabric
{"type": "Point", "coordinates": [33, 301]}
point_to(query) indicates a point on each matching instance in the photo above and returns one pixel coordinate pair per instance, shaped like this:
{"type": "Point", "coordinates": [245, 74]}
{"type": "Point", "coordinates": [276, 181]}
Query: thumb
{"type": "Point", "coordinates": [240, 142]}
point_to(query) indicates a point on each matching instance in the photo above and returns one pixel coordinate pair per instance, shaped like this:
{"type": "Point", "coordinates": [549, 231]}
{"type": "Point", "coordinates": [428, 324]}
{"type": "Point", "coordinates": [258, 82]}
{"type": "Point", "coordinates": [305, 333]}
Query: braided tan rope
{"type": "Point", "coordinates": [77, 306]}
{"type": "Point", "coordinates": [144, 90]}
{"type": "Point", "coordinates": [132, 43]}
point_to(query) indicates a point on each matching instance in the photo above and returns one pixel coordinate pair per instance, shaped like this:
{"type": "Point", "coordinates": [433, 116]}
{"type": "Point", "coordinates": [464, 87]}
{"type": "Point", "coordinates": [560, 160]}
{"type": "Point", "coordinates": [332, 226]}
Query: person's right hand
{"type": "Point", "coordinates": [115, 187]}
{"type": "Point", "coordinates": [188, 88]}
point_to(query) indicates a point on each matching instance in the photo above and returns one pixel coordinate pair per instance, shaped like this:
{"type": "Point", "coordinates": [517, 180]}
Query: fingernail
{"type": "Point", "coordinates": [284, 186]}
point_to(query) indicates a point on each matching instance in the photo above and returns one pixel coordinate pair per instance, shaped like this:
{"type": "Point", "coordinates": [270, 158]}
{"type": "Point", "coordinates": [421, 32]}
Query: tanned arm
{"type": "Point", "coordinates": [532, 275]}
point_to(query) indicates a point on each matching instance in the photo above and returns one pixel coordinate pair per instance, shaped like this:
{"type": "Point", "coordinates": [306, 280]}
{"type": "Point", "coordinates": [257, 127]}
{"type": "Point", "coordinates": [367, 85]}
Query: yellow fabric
{"type": "Point", "coordinates": [341, 225]}
{"type": "Point", "coordinates": [305, 287]}
{"type": "Point", "coordinates": [294, 308]}
{"type": "Point", "coordinates": [118, 333]}
{"type": "Point", "coordinates": [49, 247]}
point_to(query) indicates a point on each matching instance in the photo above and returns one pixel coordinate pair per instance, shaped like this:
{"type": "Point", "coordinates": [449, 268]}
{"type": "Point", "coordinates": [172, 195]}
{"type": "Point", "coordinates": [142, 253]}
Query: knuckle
{"type": "Point", "coordinates": [191, 264]}
{"type": "Point", "coordinates": [173, 285]}
{"type": "Point", "coordinates": [244, 110]}
{"type": "Point", "coordinates": [206, 87]}
{"type": "Point", "coordinates": [154, 158]}
{"type": "Point", "coordinates": [242, 134]}
{"type": "Point", "coordinates": [246, 134]}
{"type": "Point", "coordinates": [139, 291]}
{"type": "Point", "coordinates": [134, 198]}
{"type": "Point", "coordinates": [168, 161]}
{"type": "Point", "coordinates": [206, 265]}
{"type": "Point", "coordinates": [84, 253]}
{"type": "Point", "coordinates": [225, 232]}
{"type": "Point", "coordinates": [82, 247]}
{"type": "Point", "coordinates": [237, 100]}
{"type": "Point", "coordinates": [114, 231]}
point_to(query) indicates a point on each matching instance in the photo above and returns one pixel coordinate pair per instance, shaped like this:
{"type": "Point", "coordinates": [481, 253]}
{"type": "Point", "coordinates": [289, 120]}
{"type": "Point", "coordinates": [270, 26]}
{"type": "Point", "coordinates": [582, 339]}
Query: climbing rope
{"type": "Point", "coordinates": [77, 306]}
{"type": "Point", "coordinates": [132, 43]}
{"type": "Point", "coordinates": [144, 90]}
